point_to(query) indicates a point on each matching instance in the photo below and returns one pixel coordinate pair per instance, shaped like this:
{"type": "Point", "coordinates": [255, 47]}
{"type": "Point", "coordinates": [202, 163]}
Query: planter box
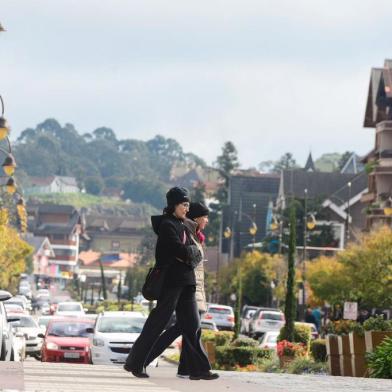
{"type": "Point", "coordinates": [285, 361]}
{"type": "Point", "coordinates": [345, 356]}
{"type": "Point", "coordinates": [357, 344]}
{"type": "Point", "coordinates": [211, 352]}
{"type": "Point", "coordinates": [374, 338]}
{"type": "Point", "coordinates": [333, 355]}
{"type": "Point", "coordinates": [359, 366]}
{"type": "Point", "coordinates": [357, 351]}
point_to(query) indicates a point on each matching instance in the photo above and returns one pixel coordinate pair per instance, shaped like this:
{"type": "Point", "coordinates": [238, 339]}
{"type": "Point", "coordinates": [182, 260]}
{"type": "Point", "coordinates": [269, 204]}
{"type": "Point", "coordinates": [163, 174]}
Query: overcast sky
{"type": "Point", "coordinates": [270, 75]}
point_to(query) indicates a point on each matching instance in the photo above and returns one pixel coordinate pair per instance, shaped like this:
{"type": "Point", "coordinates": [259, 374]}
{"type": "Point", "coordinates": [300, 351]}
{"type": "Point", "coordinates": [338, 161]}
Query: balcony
{"type": "Point", "coordinates": [368, 197]}
{"type": "Point", "coordinates": [384, 126]}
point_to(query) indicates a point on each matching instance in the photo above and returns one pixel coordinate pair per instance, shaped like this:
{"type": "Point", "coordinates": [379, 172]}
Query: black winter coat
{"type": "Point", "coordinates": [172, 252]}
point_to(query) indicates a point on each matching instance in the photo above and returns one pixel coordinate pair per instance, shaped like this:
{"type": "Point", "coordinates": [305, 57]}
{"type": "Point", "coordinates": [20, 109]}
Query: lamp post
{"type": "Point", "coordinates": [348, 213]}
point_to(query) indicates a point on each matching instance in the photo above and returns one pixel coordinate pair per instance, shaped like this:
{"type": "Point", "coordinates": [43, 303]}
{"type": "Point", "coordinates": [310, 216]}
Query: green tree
{"type": "Point", "coordinates": [286, 161]}
{"type": "Point", "coordinates": [94, 185]}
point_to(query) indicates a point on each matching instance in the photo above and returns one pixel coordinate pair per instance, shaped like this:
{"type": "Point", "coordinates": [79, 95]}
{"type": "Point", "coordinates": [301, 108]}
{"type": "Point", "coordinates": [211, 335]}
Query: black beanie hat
{"type": "Point", "coordinates": [196, 210]}
{"type": "Point", "coordinates": [176, 196]}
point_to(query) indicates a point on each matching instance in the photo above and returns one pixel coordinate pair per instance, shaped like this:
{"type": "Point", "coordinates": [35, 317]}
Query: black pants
{"type": "Point", "coordinates": [167, 337]}
{"type": "Point", "coordinates": [183, 301]}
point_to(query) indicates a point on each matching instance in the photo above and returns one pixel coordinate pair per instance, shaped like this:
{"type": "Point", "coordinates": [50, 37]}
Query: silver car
{"type": "Point", "coordinates": [7, 352]}
{"type": "Point", "coordinates": [264, 321]}
{"type": "Point", "coordinates": [221, 315]}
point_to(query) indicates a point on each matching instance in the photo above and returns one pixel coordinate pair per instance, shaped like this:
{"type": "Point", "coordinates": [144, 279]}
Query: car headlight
{"type": "Point", "coordinates": [52, 346]}
{"type": "Point", "coordinates": [98, 342]}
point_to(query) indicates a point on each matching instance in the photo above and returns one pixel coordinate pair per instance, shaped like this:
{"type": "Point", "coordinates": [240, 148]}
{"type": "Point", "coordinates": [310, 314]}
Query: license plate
{"type": "Point", "coordinates": [71, 355]}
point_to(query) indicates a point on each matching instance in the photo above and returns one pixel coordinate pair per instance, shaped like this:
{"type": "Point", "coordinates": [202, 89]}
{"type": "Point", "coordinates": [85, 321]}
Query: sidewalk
{"type": "Point", "coordinates": [56, 377]}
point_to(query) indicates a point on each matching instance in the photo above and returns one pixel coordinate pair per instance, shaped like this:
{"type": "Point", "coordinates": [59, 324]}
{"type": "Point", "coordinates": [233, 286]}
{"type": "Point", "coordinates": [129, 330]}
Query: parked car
{"type": "Point", "coordinates": [30, 328]}
{"type": "Point", "coordinates": [69, 309]}
{"type": "Point", "coordinates": [113, 336]}
{"type": "Point", "coordinates": [208, 324]}
{"type": "Point", "coordinates": [25, 300]}
{"type": "Point", "coordinates": [14, 308]}
{"type": "Point", "coordinates": [269, 340]}
{"type": "Point", "coordinates": [67, 340]}
{"type": "Point", "coordinates": [264, 321]}
{"type": "Point", "coordinates": [7, 352]}
{"type": "Point", "coordinates": [19, 345]}
{"type": "Point", "coordinates": [26, 291]}
{"type": "Point", "coordinates": [221, 315]}
{"type": "Point", "coordinates": [246, 315]}
{"type": "Point", "coordinates": [18, 302]}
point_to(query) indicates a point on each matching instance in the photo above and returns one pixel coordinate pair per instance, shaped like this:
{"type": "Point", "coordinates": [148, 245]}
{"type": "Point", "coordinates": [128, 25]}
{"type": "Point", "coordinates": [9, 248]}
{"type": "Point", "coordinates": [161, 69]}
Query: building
{"type": "Point", "coordinates": [110, 233]}
{"type": "Point", "coordinates": [43, 251]}
{"type": "Point", "coordinates": [378, 162]}
{"type": "Point", "coordinates": [61, 224]}
{"type": "Point", "coordinates": [250, 194]}
{"type": "Point", "coordinates": [51, 184]}
{"type": "Point", "coordinates": [114, 265]}
{"type": "Point", "coordinates": [339, 195]}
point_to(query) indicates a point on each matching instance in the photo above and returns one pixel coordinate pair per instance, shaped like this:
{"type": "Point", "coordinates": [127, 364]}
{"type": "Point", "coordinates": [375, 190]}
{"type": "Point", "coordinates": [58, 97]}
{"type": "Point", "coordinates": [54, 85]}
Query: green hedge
{"type": "Point", "coordinates": [245, 342]}
{"type": "Point", "coordinates": [380, 360]}
{"type": "Point", "coordinates": [302, 334]}
{"type": "Point", "coordinates": [318, 349]}
{"type": "Point", "coordinates": [242, 356]}
{"type": "Point", "coordinates": [221, 338]}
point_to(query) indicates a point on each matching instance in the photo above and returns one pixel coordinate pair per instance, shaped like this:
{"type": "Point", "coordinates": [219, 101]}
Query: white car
{"type": "Point", "coordinates": [264, 321]}
{"type": "Point", "coordinates": [113, 336]}
{"type": "Point", "coordinates": [7, 352]}
{"type": "Point", "coordinates": [30, 328]}
{"type": "Point", "coordinates": [221, 315]}
{"type": "Point", "coordinates": [65, 309]}
{"type": "Point", "coordinates": [208, 324]}
{"type": "Point", "coordinates": [269, 340]}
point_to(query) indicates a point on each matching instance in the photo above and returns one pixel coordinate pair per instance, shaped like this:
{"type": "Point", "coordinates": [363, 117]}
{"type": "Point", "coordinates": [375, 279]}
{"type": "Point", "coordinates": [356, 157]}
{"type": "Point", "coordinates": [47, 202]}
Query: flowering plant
{"type": "Point", "coordinates": [289, 349]}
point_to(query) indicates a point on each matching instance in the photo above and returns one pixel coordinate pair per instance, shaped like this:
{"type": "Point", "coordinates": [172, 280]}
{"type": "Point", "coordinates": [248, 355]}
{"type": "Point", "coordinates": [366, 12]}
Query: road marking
{"type": "Point", "coordinates": [84, 378]}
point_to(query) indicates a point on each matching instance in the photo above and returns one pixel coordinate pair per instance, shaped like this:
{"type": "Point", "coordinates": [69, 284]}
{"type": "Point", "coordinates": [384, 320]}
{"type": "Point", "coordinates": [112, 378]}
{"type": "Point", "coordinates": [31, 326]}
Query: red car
{"type": "Point", "coordinates": [66, 340]}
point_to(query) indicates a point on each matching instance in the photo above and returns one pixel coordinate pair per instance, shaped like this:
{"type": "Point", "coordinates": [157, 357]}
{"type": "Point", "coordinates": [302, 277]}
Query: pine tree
{"type": "Point", "coordinates": [290, 305]}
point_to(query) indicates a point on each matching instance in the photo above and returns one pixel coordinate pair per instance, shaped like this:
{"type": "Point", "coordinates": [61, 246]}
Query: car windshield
{"type": "Point", "coordinates": [121, 324]}
{"type": "Point", "coordinates": [69, 329]}
{"type": "Point", "coordinates": [69, 308]}
{"type": "Point", "coordinates": [272, 316]}
{"type": "Point", "coordinates": [13, 307]}
{"type": "Point", "coordinates": [219, 310]}
{"type": "Point", "coordinates": [27, 322]}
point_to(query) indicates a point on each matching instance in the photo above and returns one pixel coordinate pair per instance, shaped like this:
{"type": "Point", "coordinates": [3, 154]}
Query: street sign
{"type": "Point", "coordinates": [350, 311]}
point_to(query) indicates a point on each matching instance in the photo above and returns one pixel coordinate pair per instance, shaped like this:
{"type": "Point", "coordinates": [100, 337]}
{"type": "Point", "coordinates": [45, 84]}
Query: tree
{"type": "Point", "coordinates": [285, 162]}
{"type": "Point", "coordinates": [361, 273]}
{"type": "Point", "coordinates": [344, 158]}
{"type": "Point", "coordinates": [198, 192]}
{"type": "Point", "coordinates": [94, 185]}
{"type": "Point", "coordinates": [14, 253]}
{"type": "Point", "coordinates": [290, 303]}
{"type": "Point", "coordinates": [227, 161]}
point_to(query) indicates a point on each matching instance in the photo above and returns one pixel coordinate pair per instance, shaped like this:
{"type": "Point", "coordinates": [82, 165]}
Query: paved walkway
{"type": "Point", "coordinates": [37, 376]}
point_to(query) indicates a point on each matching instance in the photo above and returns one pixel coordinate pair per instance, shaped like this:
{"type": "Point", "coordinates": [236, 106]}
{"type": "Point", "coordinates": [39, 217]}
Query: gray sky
{"type": "Point", "coordinates": [270, 75]}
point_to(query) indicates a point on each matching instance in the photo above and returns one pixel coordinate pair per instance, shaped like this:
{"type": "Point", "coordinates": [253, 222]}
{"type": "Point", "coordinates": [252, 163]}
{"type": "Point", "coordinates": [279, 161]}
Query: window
{"type": "Point", "coordinates": [65, 252]}
{"type": "Point", "coordinates": [271, 316]}
{"type": "Point", "coordinates": [115, 245]}
{"type": "Point", "coordinates": [219, 310]}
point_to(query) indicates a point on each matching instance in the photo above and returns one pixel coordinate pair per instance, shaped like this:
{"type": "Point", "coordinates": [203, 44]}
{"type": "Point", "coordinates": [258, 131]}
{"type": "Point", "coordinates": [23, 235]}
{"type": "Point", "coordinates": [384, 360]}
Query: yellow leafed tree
{"type": "Point", "coordinates": [13, 253]}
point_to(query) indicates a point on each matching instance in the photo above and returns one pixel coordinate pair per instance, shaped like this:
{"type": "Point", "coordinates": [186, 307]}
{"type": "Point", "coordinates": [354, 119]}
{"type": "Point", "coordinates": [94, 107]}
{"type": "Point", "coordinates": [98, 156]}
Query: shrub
{"type": "Point", "coordinates": [208, 336]}
{"type": "Point", "coordinates": [290, 349]}
{"type": "Point", "coordinates": [244, 342]}
{"type": "Point", "coordinates": [222, 338]}
{"type": "Point", "coordinates": [377, 323]}
{"type": "Point", "coordinates": [242, 356]}
{"type": "Point", "coordinates": [303, 365]}
{"type": "Point", "coordinates": [99, 309]}
{"type": "Point", "coordinates": [340, 327]}
{"type": "Point", "coordinates": [302, 334]}
{"type": "Point", "coordinates": [379, 361]}
{"type": "Point", "coordinates": [318, 349]}
{"type": "Point", "coordinates": [270, 365]}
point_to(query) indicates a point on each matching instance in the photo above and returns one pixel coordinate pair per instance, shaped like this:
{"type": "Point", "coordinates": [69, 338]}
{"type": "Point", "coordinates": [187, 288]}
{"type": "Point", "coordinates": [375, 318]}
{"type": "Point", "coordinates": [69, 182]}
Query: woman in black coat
{"type": "Point", "coordinates": [176, 251]}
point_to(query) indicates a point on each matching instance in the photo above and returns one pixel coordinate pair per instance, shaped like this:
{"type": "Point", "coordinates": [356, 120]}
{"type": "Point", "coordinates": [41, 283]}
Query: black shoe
{"type": "Point", "coordinates": [205, 376]}
{"type": "Point", "coordinates": [137, 373]}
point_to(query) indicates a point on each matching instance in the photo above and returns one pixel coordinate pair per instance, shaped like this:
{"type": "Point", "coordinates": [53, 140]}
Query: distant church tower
{"type": "Point", "coordinates": [309, 167]}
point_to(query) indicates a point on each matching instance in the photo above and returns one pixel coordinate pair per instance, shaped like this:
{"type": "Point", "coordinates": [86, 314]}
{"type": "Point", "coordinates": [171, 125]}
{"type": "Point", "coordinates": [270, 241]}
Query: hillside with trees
{"type": "Point", "coordinates": [141, 170]}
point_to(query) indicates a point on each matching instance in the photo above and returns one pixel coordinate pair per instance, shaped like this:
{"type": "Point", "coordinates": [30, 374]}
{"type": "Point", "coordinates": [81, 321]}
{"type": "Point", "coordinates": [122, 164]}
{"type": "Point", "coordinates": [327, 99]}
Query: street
{"type": "Point", "coordinates": [37, 376]}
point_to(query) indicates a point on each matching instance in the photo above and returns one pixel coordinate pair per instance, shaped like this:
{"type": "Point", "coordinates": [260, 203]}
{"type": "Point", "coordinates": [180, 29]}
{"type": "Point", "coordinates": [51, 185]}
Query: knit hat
{"type": "Point", "coordinates": [176, 196]}
{"type": "Point", "coordinates": [196, 210]}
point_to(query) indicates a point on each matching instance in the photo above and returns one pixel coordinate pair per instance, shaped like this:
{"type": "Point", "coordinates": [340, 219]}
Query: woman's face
{"type": "Point", "coordinates": [181, 210]}
{"type": "Point", "coordinates": [202, 222]}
